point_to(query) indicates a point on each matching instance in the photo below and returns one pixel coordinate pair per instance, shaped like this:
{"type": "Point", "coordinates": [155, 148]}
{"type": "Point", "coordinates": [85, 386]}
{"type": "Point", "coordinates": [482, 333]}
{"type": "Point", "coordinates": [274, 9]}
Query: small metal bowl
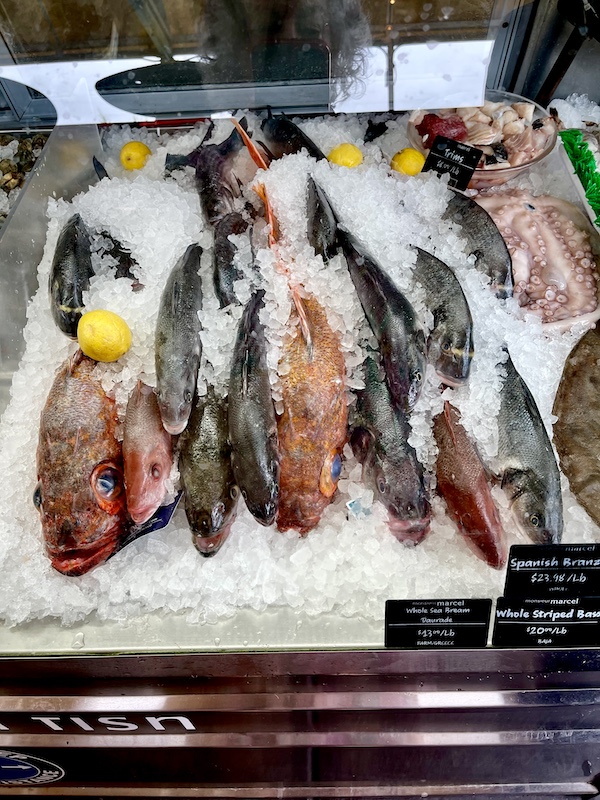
{"type": "Point", "coordinates": [484, 178]}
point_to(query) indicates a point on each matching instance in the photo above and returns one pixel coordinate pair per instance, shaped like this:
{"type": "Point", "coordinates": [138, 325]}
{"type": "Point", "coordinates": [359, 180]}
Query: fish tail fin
{"type": "Point", "coordinates": [302, 316]}
{"type": "Point", "coordinates": [99, 167]}
{"type": "Point", "coordinates": [236, 139]}
{"type": "Point", "coordinates": [255, 153]}
{"type": "Point", "coordinates": [173, 162]}
{"type": "Point", "coordinates": [209, 133]}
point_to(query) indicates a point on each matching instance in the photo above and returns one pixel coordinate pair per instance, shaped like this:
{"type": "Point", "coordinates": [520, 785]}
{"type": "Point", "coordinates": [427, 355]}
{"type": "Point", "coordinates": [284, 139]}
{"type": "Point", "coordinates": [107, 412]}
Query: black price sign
{"type": "Point", "coordinates": [455, 158]}
{"type": "Point", "coordinates": [547, 622]}
{"type": "Point", "coordinates": [437, 623]}
{"type": "Point", "coordinates": [555, 570]}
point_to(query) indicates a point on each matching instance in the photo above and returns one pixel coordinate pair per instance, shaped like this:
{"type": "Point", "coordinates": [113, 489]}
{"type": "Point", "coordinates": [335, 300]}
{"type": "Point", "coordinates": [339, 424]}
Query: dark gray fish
{"type": "Point", "coordinates": [390, 467]}
{"type": "Point", "coordinates": [224, 272]}
{"type": "Point", "coordinates": [527, 465]}
{"type": "Point", "coordinates": [393, 321]}
{"type": "Point", "coordinates": [70, 275]}
{"type": "Point", "coordinates": [484, 241]}
{"type": "Point", "coordinates": [215, 181]}
{"type": "Point", "coordinates": [252, 423]}
{"type": "Point", "coordinates": [177, 342]}
{"type": "Point", "coordinates": [376, 129]}
{"type": "Point", "coordinates": [322, 222]}
{"type": "Point", "coordinates": [285, 137]}
{"type": "Point", "coordinates": [209, 489]}
{"type": "Point", "coordinates": [450, 343]}
{"type": "Point", "coordinates": [577, 428]}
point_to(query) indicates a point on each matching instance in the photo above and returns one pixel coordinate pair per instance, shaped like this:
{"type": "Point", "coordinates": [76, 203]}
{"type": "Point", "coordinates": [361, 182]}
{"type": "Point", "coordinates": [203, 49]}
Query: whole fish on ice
{"type": "Point", "coordinates": [209, 489]}
{"type": "Point", "coordinates": [80, 493]}
{"type": "Point", "coordinates": [252, 424]}
{"type": "Point", "coordinates": [147, 454]}
{"type": "Point", "coordinates": [283, 137]}
{"type": "Point", "coordinates": [526, 462]}
{"type": "Point", "coordinates": [393, 321]}
{"type": "Point", "coordinates": [213, 163]}
{"type": "Point", "coordinates": [450, 343]}
{"type": "Point", "coordinates": [390, 467]}
{"type": "Point", "coordinates": [70, 275]}
{"type": "Point", "coordinates": [462, 482]}
{"type": "Point", "coordinates": [177, 341]}
{"type": "Point", "coordinates": [312, 428]}
{"type": "Point", "coordinates": [322, 222]}
{"type": "Point", "coordinates": [484, 241]}
{"type": "Point", "coordinates": [577, 428]}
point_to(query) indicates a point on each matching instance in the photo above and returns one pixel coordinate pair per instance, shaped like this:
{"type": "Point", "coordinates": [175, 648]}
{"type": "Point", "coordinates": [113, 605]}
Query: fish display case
{"type": "Point", "coordinates": [354, 646]}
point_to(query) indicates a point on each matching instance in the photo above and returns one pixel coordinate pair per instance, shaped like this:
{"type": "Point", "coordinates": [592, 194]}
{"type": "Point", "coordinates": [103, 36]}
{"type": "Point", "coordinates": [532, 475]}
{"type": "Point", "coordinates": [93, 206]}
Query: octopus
{"type": "Point", "coordinates": [554, 270]}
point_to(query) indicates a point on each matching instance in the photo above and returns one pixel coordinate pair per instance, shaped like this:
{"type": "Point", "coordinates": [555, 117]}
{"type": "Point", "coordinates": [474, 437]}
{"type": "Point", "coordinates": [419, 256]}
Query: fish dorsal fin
{"type": "Point", "coordinates": [209, 133]}
{"type": "Point", "coordinates": [99, 167]}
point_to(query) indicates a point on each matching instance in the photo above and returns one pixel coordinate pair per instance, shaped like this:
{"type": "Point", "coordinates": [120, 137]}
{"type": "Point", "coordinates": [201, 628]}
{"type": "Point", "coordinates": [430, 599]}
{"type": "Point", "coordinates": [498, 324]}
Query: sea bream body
{"type": "Point", "coordinates": [526, 462]}
{"type": "Point", "coordinates": [393, 321]}
{"type": "Point", "coordinates": [209, 489]}
{"type": "Point", "coordinates": [484, 241]}
{"type": "Point", "coordinates": [390, 466]}
{"type": "Point", "coordinates": [177, 341]}
{"type": "Point", "coordinates": [70, 275]}
{"type": "Point", "coordinates": [81, 492]}
{"type": "Point", "coordinates": [252, 424]}
{"type": "Point", "coordinates": [450, 343]}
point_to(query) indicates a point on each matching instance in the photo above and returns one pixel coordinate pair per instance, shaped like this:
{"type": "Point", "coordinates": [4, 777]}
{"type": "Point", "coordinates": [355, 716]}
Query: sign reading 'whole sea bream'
{"type": "Point", "coordinates": [437, 623]}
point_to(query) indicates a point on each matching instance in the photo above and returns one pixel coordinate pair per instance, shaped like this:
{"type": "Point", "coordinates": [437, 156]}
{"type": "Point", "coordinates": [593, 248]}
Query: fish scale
{"type": "Point", "coordinates": [530, 475]}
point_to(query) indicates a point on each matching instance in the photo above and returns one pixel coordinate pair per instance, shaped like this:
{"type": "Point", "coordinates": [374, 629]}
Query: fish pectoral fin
{"type": "Point", "coordinates": [515, 480]}
{"type": "Point", "coordinates": [361, 440]}
{"type": "Point", "coordinates": [304, 326]}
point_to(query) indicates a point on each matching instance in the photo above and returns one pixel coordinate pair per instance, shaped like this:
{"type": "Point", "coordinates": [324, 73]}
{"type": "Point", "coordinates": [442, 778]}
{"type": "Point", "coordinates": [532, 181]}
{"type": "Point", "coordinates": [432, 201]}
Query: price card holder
{"type": "Point", "coordinates": [419, 624]}
{"type": "Point", "coordinates": [547, 622]}
{"type": "Point", "coordinates": [459, 160]}
{"type": "Point", "coordinates": [561, 570]}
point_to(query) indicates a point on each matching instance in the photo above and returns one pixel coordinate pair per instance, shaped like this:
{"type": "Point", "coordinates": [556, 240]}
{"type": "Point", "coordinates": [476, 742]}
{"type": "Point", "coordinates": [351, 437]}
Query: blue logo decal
{"type": "Point", "coordinates": [20, 769]}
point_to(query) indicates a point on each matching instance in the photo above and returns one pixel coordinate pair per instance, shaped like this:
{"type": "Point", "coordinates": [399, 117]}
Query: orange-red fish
{"type": "Point", "coordinates": [461, 481]}
{"type": "Point", "coordinates": [147, 454]}
{"type": "Point", "coordinates": [312, 428]}
{"type": "Point", "coordinates": [81, 491]}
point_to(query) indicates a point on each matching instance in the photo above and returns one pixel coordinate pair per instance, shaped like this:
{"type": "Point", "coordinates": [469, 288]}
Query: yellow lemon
{"type": "Point", "coordinates": [408, 161]}
{"type": "Point", "coordinates": [346, 155]}
{"type": "Point", "coordinates": [103, 336]}
{"type": "Point", "coordinates": [134, 155]}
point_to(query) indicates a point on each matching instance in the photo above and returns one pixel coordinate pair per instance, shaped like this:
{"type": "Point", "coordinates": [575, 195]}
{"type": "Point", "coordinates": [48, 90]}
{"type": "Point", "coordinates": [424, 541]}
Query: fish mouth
{"type": "Point", "coordinates": [408, 531]}
{"type": "Point", "coordinates": [209, 546]}
{"type": "Point", "coordinates": [450, 380]}
{"type": "Point", "coordinates": [142, 513]}
{"type": "Point", "coordinates": [80, 560]}
{"type": "Point", "coordinates": [175, 429]}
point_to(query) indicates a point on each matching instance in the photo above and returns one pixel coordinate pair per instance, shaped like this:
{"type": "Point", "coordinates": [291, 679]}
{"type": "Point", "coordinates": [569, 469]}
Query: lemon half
{"type": "Point", "coordinates": [103, 336]}
{"type": "Point", "coordinates": [346, 155]}
{"type": "Point", "coordinates": [134, 155]}
{"type": "Point", "coordinates": [408, 161]}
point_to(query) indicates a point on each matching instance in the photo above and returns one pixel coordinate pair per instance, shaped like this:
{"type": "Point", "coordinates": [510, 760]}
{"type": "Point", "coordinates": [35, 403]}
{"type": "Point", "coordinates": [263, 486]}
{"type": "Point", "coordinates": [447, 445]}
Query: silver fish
{"type": "Point", "coordinates": [177, 341]}
{"type": "Point", "coordinates": [252, 423]}
{"type": "Point", "coordinates": [450, 343]}
{"type": "Point", "coordinates": [393, 321]}
{"type": "Point", "coordinates": [210, 493]}
{"type": "Point", "coordinates": [390, 467]}
{"type": "Point", "coordinates": [70, 275]}
{"type": "Point", "coordinates": [527, 465]}
{"type": "Point", "coordinates": [484, 241]}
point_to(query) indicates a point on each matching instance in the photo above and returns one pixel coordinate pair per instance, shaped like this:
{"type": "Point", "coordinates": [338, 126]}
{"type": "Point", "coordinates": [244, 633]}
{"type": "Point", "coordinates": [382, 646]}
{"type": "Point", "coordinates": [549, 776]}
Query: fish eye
{"type": "Point", "coordinates": [156, 471]}
{"type": "Point", "coordinates": [535, 520]}
{"type": "Point", "coordinates": [418, 376]}
{"type": "Point", "coordinates": [187, 396]}
{"type": "Point", "coordinates": [37, 496]}
{"type": "Point", "coordinates": [234, 492]}
{"type": "Point", "coordinates": [244, 494]}
{"type": "Point", "coordinates": [106, 482]}
{"type": "Point", "coordinates": [446, 346]}
{"type": "Point", "coordinates": [336, 468]}
{"type": "Point", "coordinates": [381, 485]}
